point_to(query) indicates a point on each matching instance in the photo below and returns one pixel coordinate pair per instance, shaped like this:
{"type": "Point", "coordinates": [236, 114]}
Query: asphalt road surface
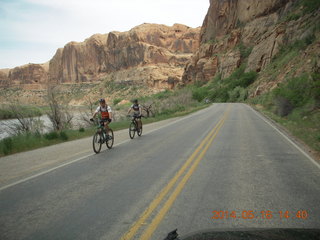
{"type": "Point", "coordinates": [223, 167]}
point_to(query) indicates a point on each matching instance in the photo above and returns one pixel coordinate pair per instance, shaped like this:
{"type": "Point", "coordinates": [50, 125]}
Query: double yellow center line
{"type": "Point", "coordinates": [194, 159]}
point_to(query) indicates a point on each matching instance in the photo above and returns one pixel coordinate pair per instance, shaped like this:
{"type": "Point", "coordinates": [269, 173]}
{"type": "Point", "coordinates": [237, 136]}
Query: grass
{"type": "Point", "coordinates": [295, 104]}
{"type": "Point", "coordinates": [300, 8]}
{"type": "Point", "coordinates": [244, 50]}
{"type": "Point", "coordinates": [26, 142]}
{"type": "Point", "coordinates": [303, 126]}
{"type": "Point", "coordinates": [6, 111]}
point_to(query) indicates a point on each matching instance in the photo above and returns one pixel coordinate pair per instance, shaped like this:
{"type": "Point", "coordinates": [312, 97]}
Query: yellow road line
{"type": "Point", "coordinates": [153, 205]}
{"type": "Point", "coordinates": [156, 221]}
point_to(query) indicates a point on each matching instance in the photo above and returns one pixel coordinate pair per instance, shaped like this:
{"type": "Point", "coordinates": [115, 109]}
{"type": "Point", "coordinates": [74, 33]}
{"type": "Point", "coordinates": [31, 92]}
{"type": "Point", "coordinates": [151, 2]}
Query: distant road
{"type": "Point", "coordinates": [223, 158]}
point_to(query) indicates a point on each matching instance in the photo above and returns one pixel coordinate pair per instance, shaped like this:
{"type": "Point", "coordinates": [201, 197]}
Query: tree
{"type": "Point", "coordinates": [147, 107]}
{"type": "Point", "coordinates": [59, 115]}
{"type": "Point", "coordinates": [24, 121]}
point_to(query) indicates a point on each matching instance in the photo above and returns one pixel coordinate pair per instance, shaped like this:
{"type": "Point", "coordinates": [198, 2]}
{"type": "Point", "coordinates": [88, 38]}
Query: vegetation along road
{"type": "Point", "coordinates": [225, 166]}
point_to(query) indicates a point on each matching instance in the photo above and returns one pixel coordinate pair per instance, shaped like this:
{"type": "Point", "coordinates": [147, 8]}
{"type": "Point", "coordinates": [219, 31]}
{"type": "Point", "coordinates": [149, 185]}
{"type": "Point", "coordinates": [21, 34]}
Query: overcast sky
{"type": "Point", "coordinates": [32, 30]}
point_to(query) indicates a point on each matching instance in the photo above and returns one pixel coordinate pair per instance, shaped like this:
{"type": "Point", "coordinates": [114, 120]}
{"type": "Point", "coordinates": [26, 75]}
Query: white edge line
{"type": "Point", "coordinates": [287, 138]}
{"type": "Point", "coordinates": [78, 159]}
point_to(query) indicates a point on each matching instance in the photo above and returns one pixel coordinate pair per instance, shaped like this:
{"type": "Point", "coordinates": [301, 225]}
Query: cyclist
{"type": "Point", "coordinates": [106, 114]}
{"type": "Point", "coordinates": [137, 112]}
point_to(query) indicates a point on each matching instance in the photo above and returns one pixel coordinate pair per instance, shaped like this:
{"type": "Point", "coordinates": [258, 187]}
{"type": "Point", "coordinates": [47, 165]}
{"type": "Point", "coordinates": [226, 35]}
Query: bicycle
{"type": "Point", "coordinates": [101, 137]}
{"type": "Point", "coordinates": [133, 127]}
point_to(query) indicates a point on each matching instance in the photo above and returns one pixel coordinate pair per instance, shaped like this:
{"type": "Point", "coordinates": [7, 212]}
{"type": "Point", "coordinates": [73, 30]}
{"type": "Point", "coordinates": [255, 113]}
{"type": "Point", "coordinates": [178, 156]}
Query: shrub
{"type": "Point", "coordinates": [116, 101]}
{"type": "Point", "coordinates": [7, 145]}
{"type": "Point", "coordinates": [63, 135]}
{"type": "Point", "coordinates": [283, 106]}
{"type": "Point", "coordinates": [233, 87]}
{"type": "Point", "coordinates": [310, 5]}
{"type": "Point", "coordinates": [247, 78]}
{"type": "Point", "coordinates": [219, 94]}
{"type": "Point", "coordinates": [234, 94]}
{"type": "Point", "coordinates": [297, 91]}
{"type": "Point", "coordinates": [37, 134]}
{"type": "Point", "coordinates": [81, 129]}
{"type": "Point", "coordinates": [293, 17]}
{"type": "Point", "coordinates": [200, 93]}
{"type": "Point", "coordinates": [243, 94]}
{"type": "Point", "coordinates": [244, 51]}
{"type": "Point", "coordinates": [162, 95]}
{"type": "Point", "coordinates": [51, 135]}
{"type": "Point", "coordinates": [238, 94]}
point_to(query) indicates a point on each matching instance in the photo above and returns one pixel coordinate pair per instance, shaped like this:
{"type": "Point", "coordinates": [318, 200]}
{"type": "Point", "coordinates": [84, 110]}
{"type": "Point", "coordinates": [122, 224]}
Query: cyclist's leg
{"type": "Point", "coordinates": [138, 122]}
{"type": "Point", "coordinates": [106, 125]}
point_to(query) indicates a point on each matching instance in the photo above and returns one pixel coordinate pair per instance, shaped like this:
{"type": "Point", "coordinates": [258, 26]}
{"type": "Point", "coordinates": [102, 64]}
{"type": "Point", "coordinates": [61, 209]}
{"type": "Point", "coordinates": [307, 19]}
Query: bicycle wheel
{"type": "Point", "coordinates": [109, 142]}
{"type": "Point", "coordinates": [97, 142]}
{"type": "Point", "coordinates": [132, 130]}
{"type": "Point", "coordinates": [140, 131]}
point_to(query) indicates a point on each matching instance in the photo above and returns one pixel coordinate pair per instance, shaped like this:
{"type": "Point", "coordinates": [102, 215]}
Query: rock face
{"type": "Point", "coordinates": [127, 56]}
{"type": "Point", "coordinates": [27, 74]}
{"type": "Point", "coordinates": [151, 53]}
{"type": "Point", "coordinates": [231, 27]}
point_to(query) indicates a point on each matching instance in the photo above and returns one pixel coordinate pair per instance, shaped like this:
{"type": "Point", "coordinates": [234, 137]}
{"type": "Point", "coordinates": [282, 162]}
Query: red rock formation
{"type": "Point", "coordinates": [144, 45]}
{"type": "Point", "coordinates": [228, 23]}
{"type": "Point", "coordinates": [151, 53]}
{"type": "Point", "coordinates": [26, 74]}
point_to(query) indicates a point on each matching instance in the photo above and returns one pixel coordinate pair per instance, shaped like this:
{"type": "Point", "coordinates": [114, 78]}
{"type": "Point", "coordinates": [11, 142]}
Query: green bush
{"type": "Point", "coordinates": [234, 94]}
{"type": "Point", "coordinates": [297, 91]}
{"type": "Point", "coordinates": [162, 95]}
{"type": "Point", "coordinates": [63, 135]}
{"type": "Point", "coordinates": [293, 17]}
{"type": "Point", "coordinates": [283, 106]}
{"type": "Point", "coordinates": [243, 94]}
{"type": "Point", "coordinates": [51, 135]}
{"type": "Point", "coordinates": [246, 79]}
{"type": "Point", "coordinates": [116, 101]}
{"type": "Point", "coordinates": [7, 145]}
{"type": "Point", "coordinates": [237, 94]}
{"type": "Point", "coordinates": [37, 134]}
{"type": "Point", "coordinates": [310, 5]}
{"type": "Point", "coordinates": [81, 129]}
{"type": "Point", "coordinates": [233, 87]}
{"type": "Point", "coordinates": [219, 94]}
{"type": "Point", "coordinates": [244, 51]}
{"type": "Point", "coordinates": [200, 93]}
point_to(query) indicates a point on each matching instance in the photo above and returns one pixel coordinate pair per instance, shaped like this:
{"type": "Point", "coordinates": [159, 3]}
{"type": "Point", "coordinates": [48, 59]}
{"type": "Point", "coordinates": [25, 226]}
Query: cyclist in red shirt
{"type": "Point", "coordinates": [106, 114]}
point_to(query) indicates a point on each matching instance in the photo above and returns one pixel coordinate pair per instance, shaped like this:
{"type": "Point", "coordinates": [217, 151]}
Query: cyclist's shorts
{"type": "Point", "coordinates": [103, 120]}
{"type": "Point", "coordinates": [137, 115]}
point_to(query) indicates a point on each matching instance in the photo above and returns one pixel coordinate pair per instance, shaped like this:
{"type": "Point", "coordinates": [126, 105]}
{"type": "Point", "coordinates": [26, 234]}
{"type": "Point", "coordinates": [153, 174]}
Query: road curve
{"type": "Point", "coordinates": [223, 158]}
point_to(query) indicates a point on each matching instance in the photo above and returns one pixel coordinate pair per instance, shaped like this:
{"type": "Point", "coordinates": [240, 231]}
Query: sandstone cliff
{"type": "Point", "coordinates": [127, 56]}
{"type": "Point", "coordinates": [150, 53]}
{"type": "Point", "coordinates": [233, 27]}
{"type": "Point", "coordinates": [27, 74]}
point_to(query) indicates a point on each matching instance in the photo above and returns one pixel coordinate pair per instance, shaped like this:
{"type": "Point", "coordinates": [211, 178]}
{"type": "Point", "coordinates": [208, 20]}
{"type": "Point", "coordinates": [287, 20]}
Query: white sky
{"type": "Point", "coordinates": [32, 30]}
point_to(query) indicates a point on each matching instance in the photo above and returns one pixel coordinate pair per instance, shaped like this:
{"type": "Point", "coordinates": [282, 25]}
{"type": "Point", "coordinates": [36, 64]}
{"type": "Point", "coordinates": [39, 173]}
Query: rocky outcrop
{"type": "Point", "coordinates": [225, 15]}
{"type": "Point", "coordinates": [152, 53]}
{"type": "Point", "coordinates": [102, 56]}
{"type": "Point", "coordinates": [232, 25]}
{"type": "Point", "coordinates": [26, 74]}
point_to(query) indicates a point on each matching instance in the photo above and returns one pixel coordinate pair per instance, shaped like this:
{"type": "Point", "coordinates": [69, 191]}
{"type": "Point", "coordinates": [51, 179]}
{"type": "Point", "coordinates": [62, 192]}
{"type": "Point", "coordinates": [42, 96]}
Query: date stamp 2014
{"type": "Point", "coordinates": [264, 214]}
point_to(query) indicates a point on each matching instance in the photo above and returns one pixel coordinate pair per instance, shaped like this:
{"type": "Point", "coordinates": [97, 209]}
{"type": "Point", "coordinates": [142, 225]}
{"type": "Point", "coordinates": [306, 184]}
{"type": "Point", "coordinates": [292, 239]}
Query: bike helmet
{"type": "Point", "coordinates": [102, 100]}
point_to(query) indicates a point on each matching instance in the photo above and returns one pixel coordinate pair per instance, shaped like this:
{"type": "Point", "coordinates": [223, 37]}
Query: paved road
{"type": "Point", "coordinates": [223, 158]}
